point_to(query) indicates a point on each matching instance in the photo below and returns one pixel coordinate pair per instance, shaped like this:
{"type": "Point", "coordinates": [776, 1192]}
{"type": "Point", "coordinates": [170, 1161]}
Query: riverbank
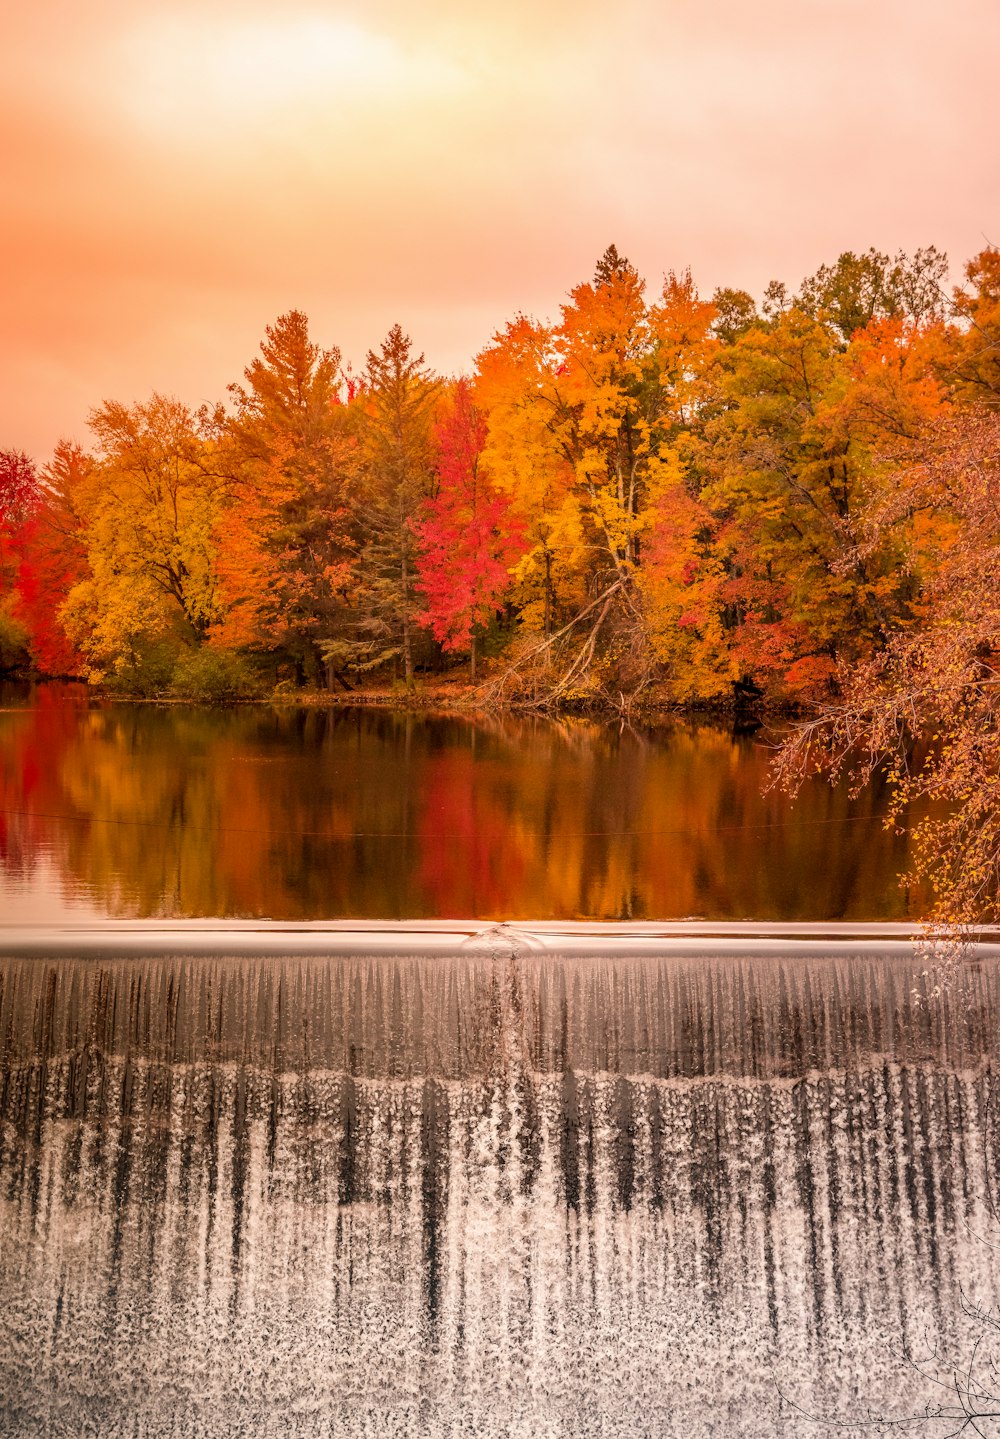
{"type": "Point", "coordinates": [448, 693]}
{"type": "Point", "coordinates": [651, 706]}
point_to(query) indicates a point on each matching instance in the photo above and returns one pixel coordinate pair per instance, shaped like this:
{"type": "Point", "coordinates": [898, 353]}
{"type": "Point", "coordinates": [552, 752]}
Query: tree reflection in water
{"type": "Point", "coordinates": [305, 814]}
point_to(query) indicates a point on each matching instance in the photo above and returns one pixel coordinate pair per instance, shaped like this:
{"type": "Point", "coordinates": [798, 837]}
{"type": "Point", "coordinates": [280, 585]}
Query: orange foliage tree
{"type": "Point", "coordinates": [657, 489]}
{"type": "Point", "coordinates": [284, 539]}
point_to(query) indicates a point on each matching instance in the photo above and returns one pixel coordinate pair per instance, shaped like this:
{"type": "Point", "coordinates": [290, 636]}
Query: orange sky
{"type": "Point", "coordinates": [174, 176]}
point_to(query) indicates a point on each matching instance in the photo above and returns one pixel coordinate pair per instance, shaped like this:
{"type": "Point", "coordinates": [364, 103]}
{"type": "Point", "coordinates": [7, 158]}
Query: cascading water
{"type": "Point", "coordinates": [498, 1194]}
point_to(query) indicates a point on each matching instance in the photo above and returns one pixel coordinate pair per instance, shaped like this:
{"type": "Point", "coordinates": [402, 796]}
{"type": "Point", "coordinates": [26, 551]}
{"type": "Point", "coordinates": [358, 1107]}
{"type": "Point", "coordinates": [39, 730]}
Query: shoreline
{"type": "Point", "coordinates": [451, 698]}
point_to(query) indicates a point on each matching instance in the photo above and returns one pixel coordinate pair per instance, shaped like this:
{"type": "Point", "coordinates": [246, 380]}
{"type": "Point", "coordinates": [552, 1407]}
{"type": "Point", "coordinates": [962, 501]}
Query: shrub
{"type": "Point", "coordinates": [13, 642]}
{"type": "Point", "coordinates": [147, 674]}
{"type": "Point", "coordinates": [212, 676]}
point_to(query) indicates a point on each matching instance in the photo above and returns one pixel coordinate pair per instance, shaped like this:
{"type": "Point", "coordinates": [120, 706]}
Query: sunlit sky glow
{"type": "Point", "coordinates": [174, 176]}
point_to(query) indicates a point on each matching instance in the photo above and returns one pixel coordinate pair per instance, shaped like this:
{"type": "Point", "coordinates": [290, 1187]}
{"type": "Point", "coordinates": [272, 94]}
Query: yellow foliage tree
{"type": "Point", "coordinates": [149, 509]}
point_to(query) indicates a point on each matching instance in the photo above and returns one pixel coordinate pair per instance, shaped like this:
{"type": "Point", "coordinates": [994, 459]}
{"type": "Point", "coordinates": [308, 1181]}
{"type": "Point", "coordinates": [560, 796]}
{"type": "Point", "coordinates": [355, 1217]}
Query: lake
{"type": "Point", "coordinates": [140, 810]}
{"type": "Point", "coordinates": [566, 1180]}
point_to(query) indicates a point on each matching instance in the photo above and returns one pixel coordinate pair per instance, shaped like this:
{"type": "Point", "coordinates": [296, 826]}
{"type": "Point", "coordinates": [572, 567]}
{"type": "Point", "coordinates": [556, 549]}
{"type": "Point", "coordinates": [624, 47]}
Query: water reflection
{"type": "Point", "coordinates": [351, 813]}
{"type": "Point", "coordinates": [491, 1195]}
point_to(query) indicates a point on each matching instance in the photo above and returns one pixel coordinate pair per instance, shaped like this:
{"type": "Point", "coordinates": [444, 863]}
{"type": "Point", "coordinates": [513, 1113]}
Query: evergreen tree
{"type": "Point", "coordinates": [286, 544]}
{"type": "Point", "coordinates": [398, 466]}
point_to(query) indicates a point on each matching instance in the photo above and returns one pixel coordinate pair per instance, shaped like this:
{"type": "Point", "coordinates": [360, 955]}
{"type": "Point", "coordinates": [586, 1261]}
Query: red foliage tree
{"type": "Point", "coordinates": [467, 534]}
{"type": "Point", "coordinates": [51, 559]}
{"type": "Point", "coordinates": [19, 492]}
{"type": "Point", "coordinates": [19, 487]}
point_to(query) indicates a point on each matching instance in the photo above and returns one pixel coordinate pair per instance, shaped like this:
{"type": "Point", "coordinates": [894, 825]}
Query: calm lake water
{"type": "Point", "coordinates": [176, 811]}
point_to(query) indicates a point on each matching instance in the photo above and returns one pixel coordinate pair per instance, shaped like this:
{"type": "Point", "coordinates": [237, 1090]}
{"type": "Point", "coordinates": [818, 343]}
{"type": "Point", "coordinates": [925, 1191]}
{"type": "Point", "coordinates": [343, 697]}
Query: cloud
{"type": "Point", "coordinates": [177, 175]}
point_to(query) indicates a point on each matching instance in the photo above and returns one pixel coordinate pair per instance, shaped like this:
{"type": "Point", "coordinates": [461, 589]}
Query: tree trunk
{"type": "Point", "coordinates": [472, 653]}
{"type": "Point", "coordinates": [548, 595]}
{"type": "Point", "coordinates": [332, 673]}
{"type": "Point", "coordinates": [407, 651]}
{"type": "Point", "coordinates": [407, 641]}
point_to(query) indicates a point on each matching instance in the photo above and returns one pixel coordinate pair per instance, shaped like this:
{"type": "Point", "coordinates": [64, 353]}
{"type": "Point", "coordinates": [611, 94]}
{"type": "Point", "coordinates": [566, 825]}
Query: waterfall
{"type": "Point", "coordinates": [501, 1195]}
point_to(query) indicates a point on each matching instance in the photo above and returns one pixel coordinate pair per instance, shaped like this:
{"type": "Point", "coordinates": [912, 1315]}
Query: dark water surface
{"type": "Point", "coordinates": [494, 1194]}
{"type": "Point", "coordinates": [177, 811]}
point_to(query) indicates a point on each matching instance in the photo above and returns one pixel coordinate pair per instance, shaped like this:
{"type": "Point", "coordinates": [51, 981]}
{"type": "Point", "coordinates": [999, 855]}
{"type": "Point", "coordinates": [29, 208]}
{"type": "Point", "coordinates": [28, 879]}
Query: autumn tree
{"type": "Point", "coordinates": [924, 708]}
{"type": "Point", "coordinates": [466, 533]}
{"type": "Point", "coordinates": [528, 466]}
{"type": "Point", "coordinates": [19, 492]}
{"type": "Point", "coordinates": [53, 559]}
{"type": "Point", "coordinates": [781, 488]}
{"type": "Point", "coordinates": [284, 535]}
{"type": "Point", "coordinates": [395, 422]}
{"type": "Point", "coordinates": [19, 496]}
{"type": "Point", "coordinates": [681, 576]}
{"type": "Point", "coordinates": [858, 289]}
{"type": "Point", "coordinates": [149, 505]}
{"type": "Point", "coordinates": [587, 414]}
{"type": "Point", "coordinates": [19, 488]}
{"type": "Point", "coordinates": [973, 366]}
{"type": "Point", "coordinates": [574, 389]}
{"type": "Point", "coordinates": [591, 395]}
{"type": "Point", "coordinates": [735, 312]}
{"type": "Point", "coordinates": [605, 401]}
{"type": "Point", "coordinates": [798, 422]}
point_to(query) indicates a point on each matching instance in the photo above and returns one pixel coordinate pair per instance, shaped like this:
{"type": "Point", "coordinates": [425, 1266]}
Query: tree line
{"type": "Point", "coordinates": [659, 496]}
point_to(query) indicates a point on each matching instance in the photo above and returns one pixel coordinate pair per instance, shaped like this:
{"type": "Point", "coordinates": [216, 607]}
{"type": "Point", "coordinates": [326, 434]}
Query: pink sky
{"type": "Point", "coordinates": [174, 176]}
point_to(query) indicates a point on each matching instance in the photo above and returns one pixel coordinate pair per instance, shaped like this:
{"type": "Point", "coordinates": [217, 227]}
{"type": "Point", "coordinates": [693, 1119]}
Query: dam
{"type": "Point", "coordinates": [467, 1179]}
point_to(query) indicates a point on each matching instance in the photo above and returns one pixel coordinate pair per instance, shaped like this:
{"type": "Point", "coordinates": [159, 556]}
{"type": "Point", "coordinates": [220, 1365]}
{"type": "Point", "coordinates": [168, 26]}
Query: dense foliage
{"type": "Point", "coordinates": [693, 500]}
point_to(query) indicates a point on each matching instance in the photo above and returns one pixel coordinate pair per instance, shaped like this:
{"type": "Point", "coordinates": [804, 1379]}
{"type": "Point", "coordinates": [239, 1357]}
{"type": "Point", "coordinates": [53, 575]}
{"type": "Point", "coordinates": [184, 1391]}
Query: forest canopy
{"type": "Point", "coordinates": [655, 494]}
